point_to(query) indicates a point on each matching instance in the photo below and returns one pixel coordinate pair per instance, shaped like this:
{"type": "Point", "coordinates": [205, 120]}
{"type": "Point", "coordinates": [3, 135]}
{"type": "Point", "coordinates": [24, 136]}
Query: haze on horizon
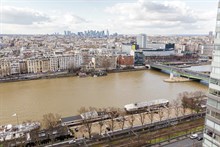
{"type": "Point", "coordinates": [122, 16]}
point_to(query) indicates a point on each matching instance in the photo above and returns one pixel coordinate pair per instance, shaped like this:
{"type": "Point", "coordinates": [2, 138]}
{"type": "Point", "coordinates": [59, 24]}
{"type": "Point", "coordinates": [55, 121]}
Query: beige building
{"type": "Point", "coordinates": [45, 62]}
{"type": "Point", "coordinates": [14, 67]}
{"type": "Point", "coordinates": [23, 67]}
{"type": "Point", "coordinates": [34, 65]}
{"type": "Point", "coordinates": [4, 68]}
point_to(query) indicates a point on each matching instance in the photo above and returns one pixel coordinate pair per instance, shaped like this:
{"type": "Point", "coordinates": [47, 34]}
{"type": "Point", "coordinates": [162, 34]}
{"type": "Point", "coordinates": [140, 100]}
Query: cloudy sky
{"type": "Point", "coordinates": [122, 16]}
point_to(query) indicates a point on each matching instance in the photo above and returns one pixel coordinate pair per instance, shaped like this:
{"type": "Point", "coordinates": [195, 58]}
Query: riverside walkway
{"type": "Point", "coordinates": [182, 72]}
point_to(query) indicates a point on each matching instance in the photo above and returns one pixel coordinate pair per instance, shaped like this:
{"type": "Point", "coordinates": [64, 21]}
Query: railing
{"type": "Point", "coordinates": [183, 72]}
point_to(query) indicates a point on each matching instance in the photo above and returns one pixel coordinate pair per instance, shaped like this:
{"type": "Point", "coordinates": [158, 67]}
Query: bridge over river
{"type": "Point", "coordinates": [182, 72]}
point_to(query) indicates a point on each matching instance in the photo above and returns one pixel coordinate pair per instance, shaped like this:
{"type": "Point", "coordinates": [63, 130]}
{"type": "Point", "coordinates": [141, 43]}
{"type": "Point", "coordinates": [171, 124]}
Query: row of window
{"type": "Point", "coordinates": [213, 103]}
{"type": "Point", "coordinates": [215, 81]}
{"type": "Point", "coordinates": [214, 92]}
{"type": "Point", "coordinates": [213, 125]}
{"type": "Point", "coordinates": [216, 70]}
{"type": "Point", "coordinates": [217, 47]}
{"type": "Point", "coordinates": [213, 114]}
{"type": "Point", "coordinates": [215, 138]}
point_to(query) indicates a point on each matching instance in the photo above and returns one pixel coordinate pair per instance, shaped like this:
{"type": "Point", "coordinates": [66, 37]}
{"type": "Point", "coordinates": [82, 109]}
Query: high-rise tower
{"type": "Point", "coordinates": [142, 41]}
{"type": "Point", "coordinates": [212, 122]}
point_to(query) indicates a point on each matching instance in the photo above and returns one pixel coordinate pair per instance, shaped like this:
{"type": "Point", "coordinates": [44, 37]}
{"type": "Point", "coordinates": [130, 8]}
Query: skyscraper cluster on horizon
{"type": "Point", "coordinates": [90, 33]}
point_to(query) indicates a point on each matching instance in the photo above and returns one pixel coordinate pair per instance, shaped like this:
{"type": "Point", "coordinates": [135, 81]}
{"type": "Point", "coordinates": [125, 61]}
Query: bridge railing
{"type": "Point", "coordinates": [184, 72]}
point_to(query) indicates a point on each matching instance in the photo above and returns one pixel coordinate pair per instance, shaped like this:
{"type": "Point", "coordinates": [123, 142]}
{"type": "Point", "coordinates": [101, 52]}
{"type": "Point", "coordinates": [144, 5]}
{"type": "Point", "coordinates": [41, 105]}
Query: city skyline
{"type": "Point", "coordinates": [124, 17]}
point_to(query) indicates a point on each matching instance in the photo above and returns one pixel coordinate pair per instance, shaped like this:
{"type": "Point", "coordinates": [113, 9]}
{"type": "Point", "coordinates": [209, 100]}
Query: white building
{"type": "Point", "coordinates": [212, 122]}
{"type": "Point", "coordinates": [142, 40]}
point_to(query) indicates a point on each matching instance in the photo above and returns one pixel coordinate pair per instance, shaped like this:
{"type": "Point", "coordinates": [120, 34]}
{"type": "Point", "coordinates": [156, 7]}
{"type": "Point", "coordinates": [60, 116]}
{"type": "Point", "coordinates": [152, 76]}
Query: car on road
{"type": "Point", "coordinates": [200, 138]}
{"type": "Point", "coordinates": [193, 136]}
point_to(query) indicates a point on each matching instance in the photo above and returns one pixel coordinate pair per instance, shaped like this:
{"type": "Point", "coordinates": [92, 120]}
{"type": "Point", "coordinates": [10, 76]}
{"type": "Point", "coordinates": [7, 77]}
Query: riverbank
{"type": "Point", "coordinates": [29, 77]}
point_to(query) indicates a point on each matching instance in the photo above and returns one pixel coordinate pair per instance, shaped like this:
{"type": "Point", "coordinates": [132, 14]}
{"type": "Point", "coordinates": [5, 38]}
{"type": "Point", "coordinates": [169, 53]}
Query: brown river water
{"type": "Point", "coordinates": [31, 99]}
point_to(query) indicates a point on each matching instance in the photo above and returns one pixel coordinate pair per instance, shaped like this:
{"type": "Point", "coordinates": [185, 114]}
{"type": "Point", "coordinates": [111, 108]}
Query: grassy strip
{"type": "Point", "coordinates": [162, 138]}
{"type": "Point", "coordinates": [175, 135]}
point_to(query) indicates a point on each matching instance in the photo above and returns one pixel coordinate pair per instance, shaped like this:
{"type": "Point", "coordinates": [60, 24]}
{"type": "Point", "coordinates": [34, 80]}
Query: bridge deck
{"type": "Point", "coordinates": [182, 72]}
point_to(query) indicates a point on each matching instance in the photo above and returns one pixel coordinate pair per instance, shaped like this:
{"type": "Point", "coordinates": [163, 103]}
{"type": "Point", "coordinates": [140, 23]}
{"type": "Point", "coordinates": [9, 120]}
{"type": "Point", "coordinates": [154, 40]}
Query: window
{"type": "Point", "coordinates": [218, 23]}
{"type": "Point", "coordinates": [216, 59]}
{"type": "Point", "coordinates": [217, 35]}
{"type": "Point", "coordinates": [214, 92]}
{"type": "Point", "coordinates": [216, 70]}
{"type": "Point", "coordinates": [210, 123]}
{"type": "Point", "coordinates": [212, 103]}
{"type": "Point", "coordinates": [217, 127]}
{"type": "Point", "coordinates": [207, 111]}
{"type": "Point", "coordinates": [215, 81]}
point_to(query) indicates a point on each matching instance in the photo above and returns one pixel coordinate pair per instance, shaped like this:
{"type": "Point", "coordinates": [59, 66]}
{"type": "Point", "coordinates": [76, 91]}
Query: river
{"type": "Point", "coordinates": [31, 99]}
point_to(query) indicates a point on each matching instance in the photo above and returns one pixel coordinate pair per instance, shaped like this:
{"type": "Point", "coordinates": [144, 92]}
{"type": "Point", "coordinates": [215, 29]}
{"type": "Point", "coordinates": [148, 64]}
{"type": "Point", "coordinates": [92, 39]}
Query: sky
{"type": "Point", "coordinates": [156, 17]}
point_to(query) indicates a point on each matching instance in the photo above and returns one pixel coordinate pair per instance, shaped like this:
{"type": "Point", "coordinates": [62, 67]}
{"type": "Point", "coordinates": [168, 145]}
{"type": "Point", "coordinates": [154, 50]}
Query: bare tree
{"type": "Point", "coordinates": [161, 114]}
{"type": "Point", "coordinates": [113, 113]}
{"type": "Point", "coordinates": [131, 120]}
{"type": "Point", "coordinates": [142, 117]}
{"type": "Point", "coordinates": [176, 105]}
{"type": "Point", "coordinates": [151, 116]}
{"type": "Point", "coordinates": [106, 63]}
{"type": "Point", "coordinates": [101, 121]}
{"type": "Point", "coordinates": [122, 119]}
{"type": "Point", "coordinates": [51, 120]}
{"type": "Point", "coordinates": [87, 116]}
{"type": "Point", "coordinates": [183, 110]}
{"type": "Point", "coordinates": [169, 111]}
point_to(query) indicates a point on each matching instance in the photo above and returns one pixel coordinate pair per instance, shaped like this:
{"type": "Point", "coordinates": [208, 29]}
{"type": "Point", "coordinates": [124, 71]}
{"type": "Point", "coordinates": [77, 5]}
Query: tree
{"type": "Point", "coordinates": [176, 105]}
{"type": "Point", "coordinates": [169, 111]}
{"type": "Point", "coordinates": [113, 113]}
{"type": "Point", "coordinates": [161, 114]}
{"type": "Point", "coordinates": [51, 120]}
{"type": "Point", "coordinates": [106, 63]}
{"type": "Point", "coordinates": [87, 116]}
{"type": "Point", "coordinates": [72, 68]}
{"type": "Point", "coordinates": [131, 120]}
{"type": "Point", "coordinates": [122, 118]}
{"type": "Point", "coordinates": [142, 118]}
{"type": "Point", "coordinates": [151, 116]}
{"type": "Point", "coordinates": [101, 121]}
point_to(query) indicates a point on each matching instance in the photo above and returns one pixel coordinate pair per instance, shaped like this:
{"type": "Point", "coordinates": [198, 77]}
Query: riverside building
{"type": "Point", "coordinates": [212, 122]}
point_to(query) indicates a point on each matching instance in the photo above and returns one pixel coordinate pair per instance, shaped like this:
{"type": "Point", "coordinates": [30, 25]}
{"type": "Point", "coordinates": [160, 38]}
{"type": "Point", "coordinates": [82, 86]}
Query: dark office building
{"type": "Point", "coordinates": [139, 58]}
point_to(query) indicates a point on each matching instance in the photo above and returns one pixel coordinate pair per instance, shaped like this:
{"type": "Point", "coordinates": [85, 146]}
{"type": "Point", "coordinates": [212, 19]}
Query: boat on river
{"type": "Point", "coordinates": [146, 106]}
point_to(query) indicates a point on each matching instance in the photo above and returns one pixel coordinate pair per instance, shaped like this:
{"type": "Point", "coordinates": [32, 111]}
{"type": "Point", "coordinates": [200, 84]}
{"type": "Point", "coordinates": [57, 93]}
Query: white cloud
{"type": "Point", "coordinates": [173, 15]}
{"type": "Point", "coordinates": [142, 16]}
{"type": "Point", "coordinates": [23, 16]}
{"type": "Point", "coordinates": [25, 20]}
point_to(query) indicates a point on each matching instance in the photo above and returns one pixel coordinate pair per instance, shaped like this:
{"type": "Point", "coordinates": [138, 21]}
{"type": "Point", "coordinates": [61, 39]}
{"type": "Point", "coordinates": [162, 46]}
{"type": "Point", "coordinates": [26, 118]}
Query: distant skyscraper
{"type": "Point", "coordinates": [212, 123]}
{"type": "Point", "coordinates": [107, 33]}
{"type": "Point", "coordinates": [142, 41]}
{"type": "Point", "coordinates": [210, 33]}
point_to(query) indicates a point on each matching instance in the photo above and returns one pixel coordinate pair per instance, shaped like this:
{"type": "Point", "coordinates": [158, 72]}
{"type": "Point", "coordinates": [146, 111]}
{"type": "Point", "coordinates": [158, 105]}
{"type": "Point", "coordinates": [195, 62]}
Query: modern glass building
{"type": "Point", "coordinates": [212, 122]}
